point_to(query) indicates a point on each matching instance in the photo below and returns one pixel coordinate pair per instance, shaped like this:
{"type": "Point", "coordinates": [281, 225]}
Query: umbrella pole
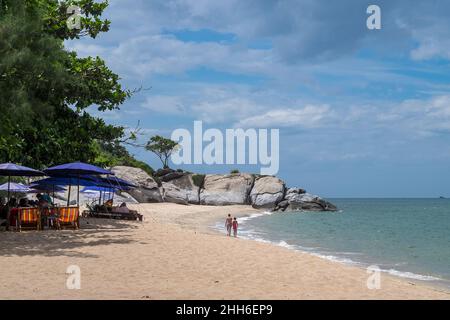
{"type": "Point", "coordinates": [100, 199]}
{"type": "Point", "coordinates": [68, 196]}
{"type": "Point", "coordinates": [78, 194]}
{"type": "Point", "coordinates": [53, 194]}
{"type": "Point", "coordinates": [9, 207]}
{"type": "Point", "coordinates": [9, 187]}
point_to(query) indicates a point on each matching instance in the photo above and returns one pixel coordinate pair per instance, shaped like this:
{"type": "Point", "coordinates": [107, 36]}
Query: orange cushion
{"type": "Point", "coordinates": [67, 215]}
{"type": "Point", "coordinates": [29, 215]}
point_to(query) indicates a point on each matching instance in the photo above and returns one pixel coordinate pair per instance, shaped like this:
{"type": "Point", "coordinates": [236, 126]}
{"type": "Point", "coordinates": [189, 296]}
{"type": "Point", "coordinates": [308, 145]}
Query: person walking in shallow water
{"type": "Point", "coordinates": [229, 224]}
{"type": "Point", "coordinates": [235, 227]}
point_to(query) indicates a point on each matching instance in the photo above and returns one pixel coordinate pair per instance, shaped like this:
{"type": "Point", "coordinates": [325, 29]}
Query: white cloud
{"type": "Point", "coordinates": [164, 104]}
{"type": "Point", "coordinates": [150, 55]}
{"type": "Point", "coordinates": [309, 116]}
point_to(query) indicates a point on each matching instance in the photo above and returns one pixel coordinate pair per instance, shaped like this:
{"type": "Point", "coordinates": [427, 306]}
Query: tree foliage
{"type": "Point", "coordinates": [162, 147]}
{"type": "Point", "coordinates": [45, 89]}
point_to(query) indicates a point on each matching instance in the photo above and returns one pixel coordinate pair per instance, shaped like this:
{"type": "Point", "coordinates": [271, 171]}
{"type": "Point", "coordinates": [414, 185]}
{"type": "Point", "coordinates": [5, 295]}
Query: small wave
{"type": "Point", "coordinates": [410, 275]}
{"type": "Point", "coordinates": [336, 259]}
{"type": "Point", "coordinates": [254, 215]}
{"type": "Point", "coordinates": [284, 244]}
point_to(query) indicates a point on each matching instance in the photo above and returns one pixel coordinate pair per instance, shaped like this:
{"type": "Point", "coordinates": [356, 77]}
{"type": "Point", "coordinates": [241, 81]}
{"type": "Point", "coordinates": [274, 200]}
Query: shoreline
{"type": "Point", "coordinates": [170, 256]}
{"type": "Point", "coordinates": [438, 284]}
{"type": "Point", "coordinates": [210, 223]}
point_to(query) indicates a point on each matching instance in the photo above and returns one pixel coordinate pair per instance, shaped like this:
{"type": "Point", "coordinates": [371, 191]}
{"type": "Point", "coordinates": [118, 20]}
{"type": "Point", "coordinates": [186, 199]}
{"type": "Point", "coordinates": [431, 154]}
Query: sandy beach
{"type": "Point", "coordinates": [173, 255]}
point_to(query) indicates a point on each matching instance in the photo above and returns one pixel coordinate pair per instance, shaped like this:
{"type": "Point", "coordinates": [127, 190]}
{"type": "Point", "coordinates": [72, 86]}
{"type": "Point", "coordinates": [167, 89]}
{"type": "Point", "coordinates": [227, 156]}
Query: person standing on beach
{"type": "Point", "coordinates": [229, 224]}
{"type": "Point", "coordinates": [235, 227]}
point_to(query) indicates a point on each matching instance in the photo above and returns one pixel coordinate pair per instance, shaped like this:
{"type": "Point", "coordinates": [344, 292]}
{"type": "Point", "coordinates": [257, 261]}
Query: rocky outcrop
{"type": "Point", "coordinates": [181, 190]}
{"type": "Point", "coordinates": [298, 199]}
{"type": "Point", "coordinates": [147, 188]}
{"type": "Point", "coordinates": [219, 190]}
{"type": "Point", "coordinates": [267, 192]}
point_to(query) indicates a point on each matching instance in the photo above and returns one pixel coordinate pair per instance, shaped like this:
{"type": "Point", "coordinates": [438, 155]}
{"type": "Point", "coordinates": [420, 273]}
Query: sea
{"type": "Point", "coordinates": [408, 238]}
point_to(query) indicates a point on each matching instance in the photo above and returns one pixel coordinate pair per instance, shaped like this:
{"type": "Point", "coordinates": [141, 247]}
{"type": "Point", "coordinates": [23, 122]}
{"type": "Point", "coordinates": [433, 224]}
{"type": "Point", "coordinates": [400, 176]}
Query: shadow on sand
{"type": "Point", "coordinates": [67, 243]}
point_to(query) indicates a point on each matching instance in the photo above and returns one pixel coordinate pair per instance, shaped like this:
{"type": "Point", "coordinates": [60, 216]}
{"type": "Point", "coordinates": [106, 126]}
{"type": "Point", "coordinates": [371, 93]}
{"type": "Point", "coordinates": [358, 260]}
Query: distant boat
{"type": "Point", "coordinates": [441, 197]}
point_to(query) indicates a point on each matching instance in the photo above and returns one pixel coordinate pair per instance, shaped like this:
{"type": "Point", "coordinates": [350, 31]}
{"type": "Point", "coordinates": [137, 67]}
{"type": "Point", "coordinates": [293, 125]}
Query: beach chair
{"type": "Point", "coordinates": [69, 217]}
{"type": "Point", "coordinates": [28, 219]}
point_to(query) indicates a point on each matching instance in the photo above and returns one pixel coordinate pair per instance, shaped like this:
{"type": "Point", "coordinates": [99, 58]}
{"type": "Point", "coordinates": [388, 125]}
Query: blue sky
{"type": "Point", "coordinates": [361, 113]}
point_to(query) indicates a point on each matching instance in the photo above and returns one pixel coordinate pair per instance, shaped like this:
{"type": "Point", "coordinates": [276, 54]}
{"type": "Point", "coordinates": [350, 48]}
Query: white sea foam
{"type": "Point", "coordinates": [336, 258]}
{"type": "Point", "coordinates": [410, 275]}
{"type": "Point", "coordinates": [243, 220]}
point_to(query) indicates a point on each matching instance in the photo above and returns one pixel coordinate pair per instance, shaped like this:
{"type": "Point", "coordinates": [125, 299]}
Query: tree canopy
{"type": "Point", "coordinates": [162, 147]}
{"type": "Point", "coordinates": [45, 89]}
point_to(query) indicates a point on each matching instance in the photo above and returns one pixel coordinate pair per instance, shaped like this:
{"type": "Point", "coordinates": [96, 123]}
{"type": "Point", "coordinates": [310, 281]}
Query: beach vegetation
{"type": "Point", "coordinates": [198, 180]}
{"type": "Point", "coordinates": [117, 155]}
{"type": "Point", "coordinates": [47, 92]}
{"type": "Point", "coordinates": [163, 148]}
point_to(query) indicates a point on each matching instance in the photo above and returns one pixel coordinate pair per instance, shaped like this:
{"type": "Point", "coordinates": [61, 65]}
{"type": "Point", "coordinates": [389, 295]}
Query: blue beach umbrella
{"type": "Point", "coordinates": [13, 170]}
{"type": "Point", "coordinates": [15, 187]}
{"type": "Point", "coordinates": [96, 189]}
{"type": "Point", "coordinates": [65, 181]}
{"type": "Point", "coordinates": [75, 169]}
{"type": "Point", "coordinates": [37, 188]}
{"type": "Point", "coordinates": [118, 184]}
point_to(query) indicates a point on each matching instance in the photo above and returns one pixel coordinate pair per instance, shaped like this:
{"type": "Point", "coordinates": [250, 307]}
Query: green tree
{"type": "Point", "coordinates": [163, 148]}
{"type": "Point", "coordinates": [45, 89]}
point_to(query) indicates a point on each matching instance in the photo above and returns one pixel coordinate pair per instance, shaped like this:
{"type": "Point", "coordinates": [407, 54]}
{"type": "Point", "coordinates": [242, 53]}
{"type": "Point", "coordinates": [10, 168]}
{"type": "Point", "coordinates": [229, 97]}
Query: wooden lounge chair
{"type": "Point", "coordinates": [28, 219]}
{"type": "Point", "coordinates": [69, 217]}
{"type": "Point", "coordinates": [97, 211]}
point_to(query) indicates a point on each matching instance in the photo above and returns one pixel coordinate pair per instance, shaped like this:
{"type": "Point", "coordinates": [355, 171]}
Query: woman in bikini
{"type": "Point", "coordinates": [235, 227]}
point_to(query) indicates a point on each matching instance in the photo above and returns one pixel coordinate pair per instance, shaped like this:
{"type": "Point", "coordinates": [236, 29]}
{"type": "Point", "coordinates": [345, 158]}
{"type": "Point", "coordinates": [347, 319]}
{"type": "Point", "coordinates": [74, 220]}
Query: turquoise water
{"type": "Point", "coordinates": [404, 237]}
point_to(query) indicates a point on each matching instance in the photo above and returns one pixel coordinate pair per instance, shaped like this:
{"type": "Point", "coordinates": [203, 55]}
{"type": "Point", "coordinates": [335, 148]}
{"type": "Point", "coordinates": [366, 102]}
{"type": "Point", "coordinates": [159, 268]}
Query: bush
{"type": "Point", "coordinates": [108, 156]}
{"type": "Point", "coordinates": [234, 171]}
{"type": "Point", "coordinates": [198, 180]}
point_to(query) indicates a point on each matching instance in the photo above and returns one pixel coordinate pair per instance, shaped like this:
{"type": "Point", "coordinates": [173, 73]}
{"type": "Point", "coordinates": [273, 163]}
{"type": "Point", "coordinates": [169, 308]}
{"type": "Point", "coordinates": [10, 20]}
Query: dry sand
{"type": "Point", "coordinates": [172, 255]}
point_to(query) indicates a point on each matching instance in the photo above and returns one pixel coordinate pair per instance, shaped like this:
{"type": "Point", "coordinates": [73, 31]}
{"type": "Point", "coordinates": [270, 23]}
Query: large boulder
{"type": "Point", "coordinates": [219, 190]}
{"type": "Point", "coordinates": [297, 199]}
{"type": "Point", "coordinates": [174, 194]}
{"type": "Point", "coordinates": [147, 190]}
{"type": "Point", "coordinates": [267, 192]}
{"type": "Point", "coordinates": [181, 190]}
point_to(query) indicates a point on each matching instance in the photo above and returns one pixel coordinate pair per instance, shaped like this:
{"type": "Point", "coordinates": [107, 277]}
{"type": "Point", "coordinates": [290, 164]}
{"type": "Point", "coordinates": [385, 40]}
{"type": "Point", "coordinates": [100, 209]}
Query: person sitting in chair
{"type": "Point", "coordinates": [122, 208]}
{"type": "Point", "coordinates": [23, 203]}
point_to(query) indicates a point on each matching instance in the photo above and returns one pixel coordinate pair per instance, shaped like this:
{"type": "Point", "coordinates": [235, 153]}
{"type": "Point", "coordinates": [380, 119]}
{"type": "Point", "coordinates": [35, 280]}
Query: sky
{"type": "Point", "coordinates": [361, 113]}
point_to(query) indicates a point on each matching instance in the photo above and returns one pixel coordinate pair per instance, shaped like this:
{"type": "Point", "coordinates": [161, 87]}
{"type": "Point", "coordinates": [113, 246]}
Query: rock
{"type": "Point", "coordinates": [163, 172]}
{"type": "Point", "coordinates": [173, 194]}
{"type": "Point", "coordinates": [171, 176]}
{"type": "Point", "coordinates": [295, 190]}
{"type": "Point", "coordinates": [181, 190]}
{"type": "Point", "coordinates": [307, 202]}
{"type": "Point", "coordinates": [219, 190]}
{"type": "Point", "coordinates": [147, 190]}
{"type": "Point", "coordinates": [282, 205]}
{"type": "Point", "coordinates": [267, 192]}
